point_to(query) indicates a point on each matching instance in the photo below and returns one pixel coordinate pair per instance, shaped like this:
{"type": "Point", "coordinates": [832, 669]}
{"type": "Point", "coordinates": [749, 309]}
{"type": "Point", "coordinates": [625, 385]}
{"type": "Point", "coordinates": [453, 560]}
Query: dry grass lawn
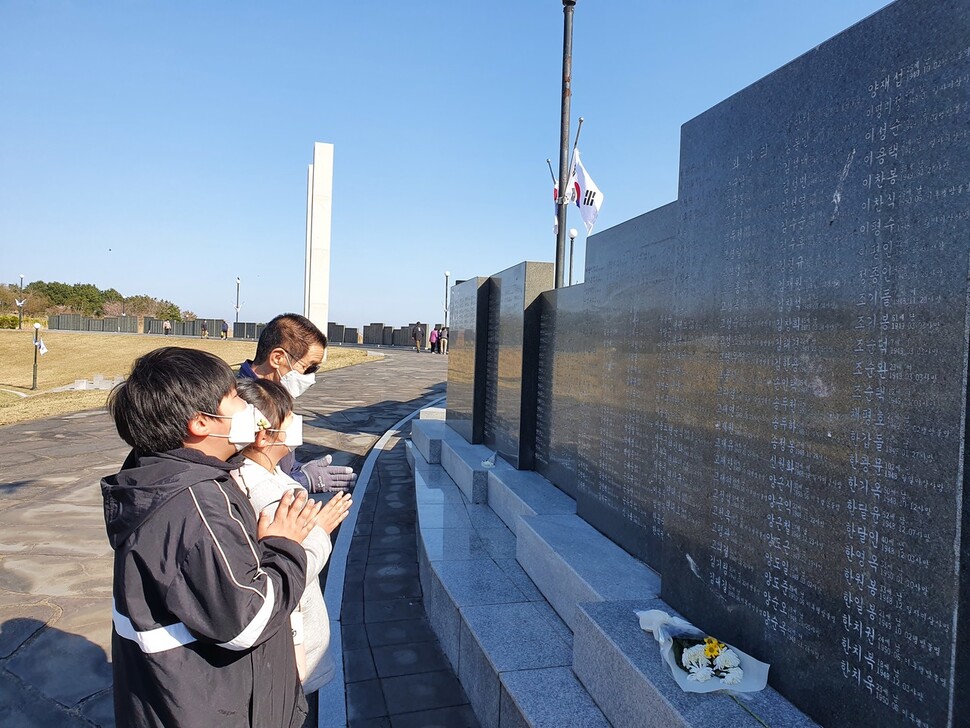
{"type": "Point", "coordinates": [71, 356]}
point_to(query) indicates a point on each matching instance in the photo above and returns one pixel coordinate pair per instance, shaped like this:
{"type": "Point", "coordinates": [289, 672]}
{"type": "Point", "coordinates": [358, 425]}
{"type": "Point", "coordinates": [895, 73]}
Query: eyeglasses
{"type": "Point", "coordinates": [309, 370]}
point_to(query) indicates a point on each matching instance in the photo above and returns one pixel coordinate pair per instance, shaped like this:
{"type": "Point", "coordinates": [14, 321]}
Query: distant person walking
{"type": "Point", "coordinates": [205, 330]}
{"type": "Point", "coordinates": [443, 340]}
{"type": "Point", "coordinates": [417, 336]}
{"type": "Point", "coordinates": [167, 327]}
{"type": "Point", "coordinates": [225, 330]}
{"type": "Point", "coordinates": [433, 338]}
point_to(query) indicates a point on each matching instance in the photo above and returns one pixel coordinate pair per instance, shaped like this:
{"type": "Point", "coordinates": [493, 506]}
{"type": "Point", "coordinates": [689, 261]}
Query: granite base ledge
{"type": "Point", "coordinates": [513, 493]}
{"type": "Point", "coordinates": [433, 413]}
{"type": "Point", "coordinates": [571, 562]}
{"type": "Point", "coordinates": [549, 697]}
{"type": "Point", "coordinates": [427, 436]}
{"type": "Point", "coordinates": [463, 463]}
{"type": "Point", "coordinates": [484, 611]}
{"type": "Point", "coordinates": [620, 666]}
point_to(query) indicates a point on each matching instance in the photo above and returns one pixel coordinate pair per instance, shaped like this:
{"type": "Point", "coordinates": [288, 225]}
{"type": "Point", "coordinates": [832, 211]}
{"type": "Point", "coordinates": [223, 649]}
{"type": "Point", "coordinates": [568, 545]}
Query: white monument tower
{"type": "Point", "coordinates": [319, 203]}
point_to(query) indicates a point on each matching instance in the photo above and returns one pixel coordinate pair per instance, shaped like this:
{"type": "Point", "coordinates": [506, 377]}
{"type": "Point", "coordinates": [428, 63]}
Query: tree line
{"type": "Point", "coordinates": [45, 299]}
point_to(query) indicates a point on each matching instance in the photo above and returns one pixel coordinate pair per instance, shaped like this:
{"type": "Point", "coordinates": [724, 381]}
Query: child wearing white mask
{"type": "Point", "coordinates": [277, 432]}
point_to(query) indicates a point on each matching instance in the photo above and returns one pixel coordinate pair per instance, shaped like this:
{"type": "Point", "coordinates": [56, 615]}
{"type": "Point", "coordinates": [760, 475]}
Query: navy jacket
{"type": "Point", "coordinates": [201, 609]}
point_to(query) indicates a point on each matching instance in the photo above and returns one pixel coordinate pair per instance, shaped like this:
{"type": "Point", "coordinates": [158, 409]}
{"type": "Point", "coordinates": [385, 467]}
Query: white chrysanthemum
{"type": "Point", "coordinates": [726, 660]}
{"type": "Point", "coordinates": [733, 676]}
{"type": "Point", "coordinates": [693, 657]}
{"type": "Point", "coordinates": [701, 674]}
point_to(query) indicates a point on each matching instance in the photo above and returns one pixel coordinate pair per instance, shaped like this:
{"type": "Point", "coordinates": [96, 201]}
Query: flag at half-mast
{"type": "Point", "coordinates": [586, 194]}
{"type": "Point", "coordinates": [40, 347]}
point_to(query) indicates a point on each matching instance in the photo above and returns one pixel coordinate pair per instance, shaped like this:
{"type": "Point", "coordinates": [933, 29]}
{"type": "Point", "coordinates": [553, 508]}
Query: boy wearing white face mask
{"type": "Point", "coordinates": [203, 590]}
{"type": "Point", "coordinates": [289, 352]}
{"type": "Point", "coordinates": [264, 483]}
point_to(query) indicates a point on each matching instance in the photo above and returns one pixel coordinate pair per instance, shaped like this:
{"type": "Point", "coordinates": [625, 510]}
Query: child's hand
{"type": "Point", "coordinates": [334, 512]}
{"type": "Point", "coordinates": [294, 517]}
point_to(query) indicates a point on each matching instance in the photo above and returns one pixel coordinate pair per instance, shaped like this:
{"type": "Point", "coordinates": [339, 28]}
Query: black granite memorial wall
{"type": "Point", "coordinates": [815, 511]}
{"type": "Point", "coordinates": [761, 389]}
{"type": "Point", "coordinates": [562, 371]}
{"type": "Point", "coordinates": [512, 349]}
{"type": "Point", "coordinates": [466, 358]}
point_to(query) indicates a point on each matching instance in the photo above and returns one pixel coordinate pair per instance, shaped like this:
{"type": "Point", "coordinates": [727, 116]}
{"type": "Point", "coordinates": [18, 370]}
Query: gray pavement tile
{"type": "Point", "coordinates": [425, 691]}
{"type": "Point", "coordinates": [453, 544]}
{"type": "Point", "coordinates": [391, 571]}
{"type": "Point", "coordinates": [20, 623]}
{"type": "Point", "coordinates": [393, 610]}
{"type": "Point", "coordinates": [406, 631]}
{"type": "Point", "coordinates": [408, 659]}
{"type": "Point", "coordinates": [392, 528]}
{"type": "Point", "coordinates": [382, 722]}
{"type": "Point", "coordinates": [100, 709]}
{"type": "Point", "coordinates": [22, 708]}
{"type": "Point", "coordinates": [406, 542]}
{"type": "Point", "coordinates": [391, 588]}
{"type": "Point", "coordinates": [389, 557]}
{"type": "Point", "coordinates": [358, 665]}
{"type": "Point", "coordinates": [518, 576]}
{"type": "Point", "coordinates": [68, 661]}
{"type": "Point", "coordinates": [354, 637]}
{"type": "Point", "coordinates": [459, 716]}
{"type": "Point", "coordinates": [61, 575]}
{"type": "Point", "coordinates": [365, 700]}
{"type": "Point", "coordinates": [351, 612]}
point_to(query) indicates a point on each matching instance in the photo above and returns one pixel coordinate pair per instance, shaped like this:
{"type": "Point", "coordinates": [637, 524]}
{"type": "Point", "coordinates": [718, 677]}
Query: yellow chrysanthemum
{"type": "Point", "coordinates": [712, 647]}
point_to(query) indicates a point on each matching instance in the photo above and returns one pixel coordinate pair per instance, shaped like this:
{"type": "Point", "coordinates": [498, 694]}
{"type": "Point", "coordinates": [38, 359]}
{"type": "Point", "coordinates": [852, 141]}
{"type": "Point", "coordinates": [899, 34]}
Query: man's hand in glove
{"type": "Point", "coordinates": [324, 477]}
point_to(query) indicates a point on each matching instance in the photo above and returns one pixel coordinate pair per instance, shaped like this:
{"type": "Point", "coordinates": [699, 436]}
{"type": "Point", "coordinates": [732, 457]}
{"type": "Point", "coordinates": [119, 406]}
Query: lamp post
{"type": "Point", "coordinates": [36, 347]}
{"type": "Point", "coordinates": [447, 276]}
{"type": "Point", "coordinates": [237, 298]}
{"type": "Point", "coordinates": [20, 304]}
{"type": "Point", "coordinates": [573, 232]}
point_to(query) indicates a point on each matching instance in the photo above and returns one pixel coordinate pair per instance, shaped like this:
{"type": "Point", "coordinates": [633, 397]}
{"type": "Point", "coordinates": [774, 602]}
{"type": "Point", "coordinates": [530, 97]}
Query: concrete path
{"type": "Point", "coordinates": [55, 563]}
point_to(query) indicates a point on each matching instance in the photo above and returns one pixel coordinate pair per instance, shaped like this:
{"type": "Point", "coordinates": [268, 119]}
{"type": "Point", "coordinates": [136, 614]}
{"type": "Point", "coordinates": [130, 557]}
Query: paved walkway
{"type": "Point", "coordinates": [55, 563]}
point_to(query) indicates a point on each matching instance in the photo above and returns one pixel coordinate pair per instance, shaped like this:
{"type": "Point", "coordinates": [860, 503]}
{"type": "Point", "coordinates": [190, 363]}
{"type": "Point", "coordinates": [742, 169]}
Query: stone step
{"type": "Point", "coordinates": [437, 442]}
{"type": "Point", "coordinates": [432, 413]}
{"type": "Point", "coordinates": [571, 562]}
{"type": "Point", "coordinates": [509, 648]}
{"type": "Point", "coordinates": [513, 493]}
{"type": "Point", "coordinates": [427, 436]}
{"type": "Point", "coordinates": [621, 668]}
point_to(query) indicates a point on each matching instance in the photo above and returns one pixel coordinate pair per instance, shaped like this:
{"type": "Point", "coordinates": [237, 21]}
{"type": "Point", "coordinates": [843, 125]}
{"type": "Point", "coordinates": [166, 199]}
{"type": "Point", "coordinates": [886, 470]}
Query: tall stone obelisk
{"type": "Point", "coordinates": [319, 203]}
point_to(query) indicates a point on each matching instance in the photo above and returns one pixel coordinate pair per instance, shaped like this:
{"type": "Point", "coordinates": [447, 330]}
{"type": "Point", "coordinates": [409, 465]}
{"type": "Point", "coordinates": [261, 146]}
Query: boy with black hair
{"type": "Point", "coordinates": [203, 590]}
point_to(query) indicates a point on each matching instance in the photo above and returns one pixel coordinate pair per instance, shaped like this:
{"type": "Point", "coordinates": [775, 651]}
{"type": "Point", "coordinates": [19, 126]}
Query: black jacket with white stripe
{"type": "Point", "coordinates": [201, 609]}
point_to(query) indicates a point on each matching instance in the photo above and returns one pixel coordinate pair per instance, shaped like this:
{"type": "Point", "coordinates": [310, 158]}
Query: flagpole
{"type": "Point", "coordinates": [567, 71]}
{"type": "Point", "coordinates": [36, 347]}
{"type": "Point", "coordinates": [551, 173]}
{"type": "Point", "coordinates": [579, 128]}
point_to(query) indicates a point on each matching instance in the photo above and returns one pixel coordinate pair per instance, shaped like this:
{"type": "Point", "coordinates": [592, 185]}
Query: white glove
{"type": "Point", "coordinates": [324, 477]}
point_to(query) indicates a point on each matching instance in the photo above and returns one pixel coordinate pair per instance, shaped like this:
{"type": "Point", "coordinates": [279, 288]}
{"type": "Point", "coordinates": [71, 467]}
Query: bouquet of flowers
{"type": "Point", "coordinates": [700, 663]}
{"type": "Point", "coordinates": [707, 659]}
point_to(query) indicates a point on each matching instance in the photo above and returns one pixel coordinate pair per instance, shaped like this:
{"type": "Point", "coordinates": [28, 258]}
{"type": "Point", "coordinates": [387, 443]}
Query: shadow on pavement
{"type": "Point", "coordinates": [71, 674]}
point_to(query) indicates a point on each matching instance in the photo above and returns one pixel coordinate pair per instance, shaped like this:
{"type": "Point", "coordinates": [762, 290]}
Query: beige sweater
{"type": "Point", "coordinates": [264, 490]}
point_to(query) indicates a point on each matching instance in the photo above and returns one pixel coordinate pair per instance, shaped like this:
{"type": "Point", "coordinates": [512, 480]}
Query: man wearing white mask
{"type": "Point", "coordinates": [289, 352]}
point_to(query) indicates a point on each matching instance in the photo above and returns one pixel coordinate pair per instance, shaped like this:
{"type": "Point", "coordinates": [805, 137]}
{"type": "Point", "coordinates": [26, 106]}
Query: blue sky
{"type": "Point", "coordinates": [161, 147]}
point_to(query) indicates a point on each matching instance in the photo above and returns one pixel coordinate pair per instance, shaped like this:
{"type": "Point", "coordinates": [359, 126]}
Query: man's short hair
{"type": "Point", "coordinates": [167, 388]}
{"type": "Point", "coordinates": [268, 397]}
{"type": "Point", "coordinates": [292, 333]}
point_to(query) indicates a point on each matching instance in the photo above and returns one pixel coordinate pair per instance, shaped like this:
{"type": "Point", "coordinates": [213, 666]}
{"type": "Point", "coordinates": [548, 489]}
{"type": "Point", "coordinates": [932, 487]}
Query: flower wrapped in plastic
{"type": "Point", "coordinates": [701, 663]}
